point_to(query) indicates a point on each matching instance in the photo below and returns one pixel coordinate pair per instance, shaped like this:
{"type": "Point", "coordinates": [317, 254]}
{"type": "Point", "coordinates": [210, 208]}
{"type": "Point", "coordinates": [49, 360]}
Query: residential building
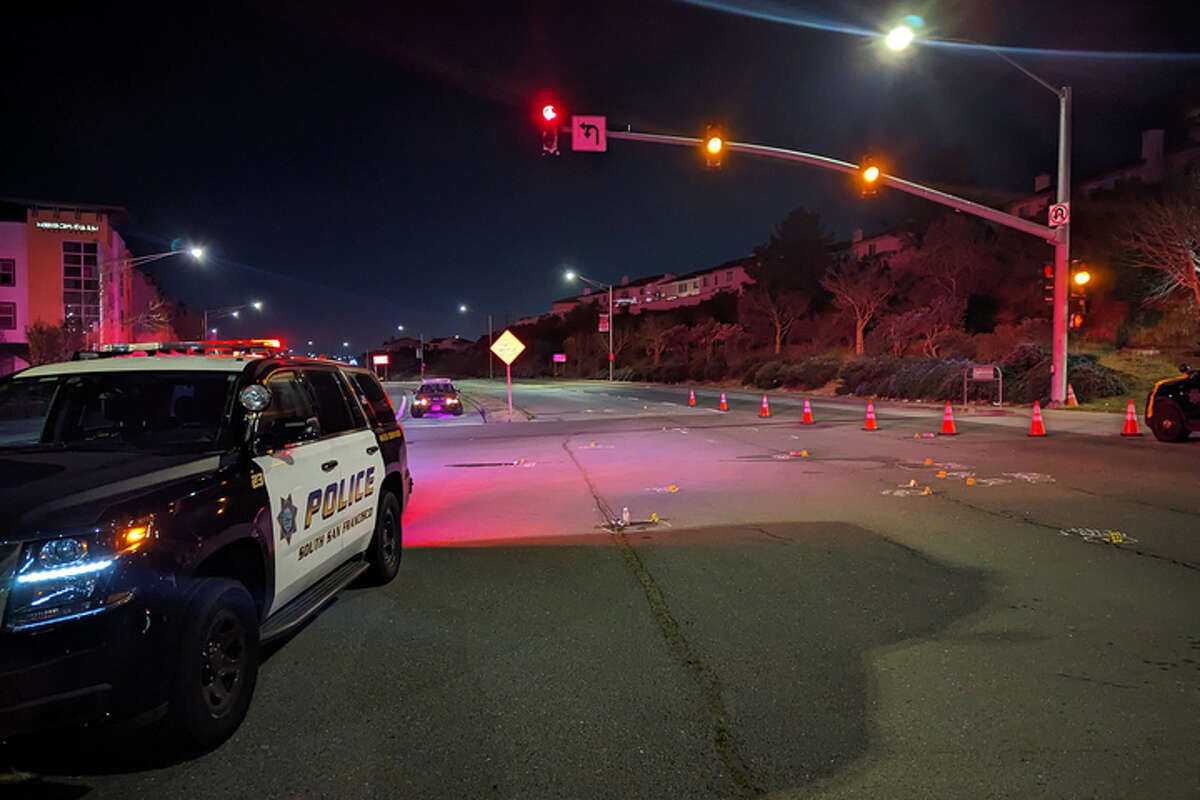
{"type": "Point", "coordinates": [664, 291]}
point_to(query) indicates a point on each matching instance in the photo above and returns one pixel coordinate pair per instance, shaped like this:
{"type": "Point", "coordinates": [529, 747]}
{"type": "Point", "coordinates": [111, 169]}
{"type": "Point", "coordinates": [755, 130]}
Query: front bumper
{"type": "Point", "coordinates": [81, 670]}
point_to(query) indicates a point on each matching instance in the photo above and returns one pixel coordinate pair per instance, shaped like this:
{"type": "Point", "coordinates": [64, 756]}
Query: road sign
{"type": "Point", "coordinates": [603, 323]}
{"type": "Point", "coordinates": [560, 358]}
{"type": "Point", "coordinates": [1060, 214]}
{"type": "Point", "coordinates": [380, 359]}
{"type": "Point", "coordinates": [508, 347]}
{"type": "Point", "coordinates": [987, 373]}
{"type": "Point", "coordinates": [589, 134]}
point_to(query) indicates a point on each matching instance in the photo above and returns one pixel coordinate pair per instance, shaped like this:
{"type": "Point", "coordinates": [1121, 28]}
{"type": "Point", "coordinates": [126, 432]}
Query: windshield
{"type": "Point", "coordinates": [130, 410]}
{"type": "Point", "coordinates": [436, 388]}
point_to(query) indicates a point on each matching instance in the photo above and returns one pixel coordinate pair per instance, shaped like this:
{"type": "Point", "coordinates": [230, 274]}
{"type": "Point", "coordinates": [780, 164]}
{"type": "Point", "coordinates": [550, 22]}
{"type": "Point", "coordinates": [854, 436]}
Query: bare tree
{"type": "Point", "coordinates": [780, 309]}
{"type": "Point", "coordinates": [656, 334]}
{"type": "Point", "coordinates": [1164, 235]}
{"type": "Point", "coordinates": [156, 317]}
{"type": "Point", "coordinates": [862, 289]}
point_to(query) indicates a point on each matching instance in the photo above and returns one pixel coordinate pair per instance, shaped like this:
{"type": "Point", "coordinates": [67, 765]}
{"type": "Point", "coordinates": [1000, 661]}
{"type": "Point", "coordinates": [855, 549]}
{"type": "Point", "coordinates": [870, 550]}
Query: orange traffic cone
{"type": "Point", "coordinates": [870, 426]}
{"type": "Point", "coordinates": [1036, 428]}
{"type": "Point", "coordinates": [1071, 399]}
{"type": "Point", "coordinates": [948, 423]}
{"type": "Point", "coordinates": [766, 410]}
{"type": "Point", "coordinates": [724, 406]}
{"type": "Point", "coordinates": [1131, 428]}
{"type": "Point", "coordinates": [807, 418]}
{"type": "Point", "coordinates": [691, 397]}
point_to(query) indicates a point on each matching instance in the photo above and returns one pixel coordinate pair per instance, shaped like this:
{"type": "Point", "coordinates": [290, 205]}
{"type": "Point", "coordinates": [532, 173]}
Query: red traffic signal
{"type": "Point", "coordinates": [1077, 320]}
{"type": "Point", "coordinates": [549, 117]}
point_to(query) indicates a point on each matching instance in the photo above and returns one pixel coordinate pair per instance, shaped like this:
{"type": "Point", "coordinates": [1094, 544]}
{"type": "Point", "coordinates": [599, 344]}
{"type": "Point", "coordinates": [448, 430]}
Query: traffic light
{"type": "Point", "coordinates": [1077, 320]}
{"type": "Point", "coordinates": [1048, 286]}
{"type": "Point", "coordinates": [869, 173]}
{"type": "Point", "coordinates": [550, 119]}
{"type": "Point", "coordinates": [714, 146]}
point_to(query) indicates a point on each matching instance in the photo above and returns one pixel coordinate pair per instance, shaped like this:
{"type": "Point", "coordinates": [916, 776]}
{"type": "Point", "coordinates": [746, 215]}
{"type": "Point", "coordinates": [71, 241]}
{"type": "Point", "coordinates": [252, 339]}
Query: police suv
{"type": "Point", "coordinates": [166, 509]}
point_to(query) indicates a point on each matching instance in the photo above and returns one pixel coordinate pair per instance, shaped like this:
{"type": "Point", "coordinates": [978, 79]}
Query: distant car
{"type": "Point", "coordinates": [436, 396]}
{"type": "Point", "coordinates": [1173, 406]}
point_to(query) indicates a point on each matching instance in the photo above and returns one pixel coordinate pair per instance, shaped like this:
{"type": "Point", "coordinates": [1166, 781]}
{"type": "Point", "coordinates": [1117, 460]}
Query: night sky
{"type": "Point", "coordinates": [359, 166]}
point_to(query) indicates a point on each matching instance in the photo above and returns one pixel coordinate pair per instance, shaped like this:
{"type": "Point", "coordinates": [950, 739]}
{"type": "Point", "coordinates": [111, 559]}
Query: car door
{"type": "Point", "coordinates": [295, 482]}
{"type": "Point", "coordinates": [354, 469]}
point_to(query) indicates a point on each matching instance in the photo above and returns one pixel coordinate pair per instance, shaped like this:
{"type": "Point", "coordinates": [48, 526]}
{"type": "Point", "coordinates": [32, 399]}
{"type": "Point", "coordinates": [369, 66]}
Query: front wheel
{"type": "Point", "coordinates": [216, 666]}
{"type": "Point", "coordinates": [1169, 424]}
{"type": "Point", "coordinates": [417, 414]}
{"type": "Point", "coordinates": [383, 554]}
{"type": "Point", "coordinates": [458, 410]}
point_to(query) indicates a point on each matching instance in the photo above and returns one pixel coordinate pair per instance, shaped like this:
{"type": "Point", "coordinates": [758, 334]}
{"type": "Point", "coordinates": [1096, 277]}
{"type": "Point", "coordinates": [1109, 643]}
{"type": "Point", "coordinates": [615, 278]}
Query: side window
{"type": "Point", "coordinates": [375, 395]}
{"type": "Point", "coordinates": [289, 403]}
{"type": "Point", "coordinates": [332, 409]}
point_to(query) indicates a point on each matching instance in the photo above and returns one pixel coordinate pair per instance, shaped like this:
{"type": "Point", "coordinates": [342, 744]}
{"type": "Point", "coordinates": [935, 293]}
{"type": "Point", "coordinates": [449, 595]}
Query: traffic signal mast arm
{"type": "Point", "coordinates": [929, 193]}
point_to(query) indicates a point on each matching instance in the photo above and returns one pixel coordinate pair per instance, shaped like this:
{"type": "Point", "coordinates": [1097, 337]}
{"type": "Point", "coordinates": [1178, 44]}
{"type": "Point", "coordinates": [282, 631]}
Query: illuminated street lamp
{"type": "Point", "coordinates": [229, 311]}
{"type": "Point", "coordinates": [123, 265]}
{"type": "Point", "coordinates": [463, 309]}
{"type": "Point", "coordinates": [899, 38]}
{"type": "Point", "coordinates": [572, 275]}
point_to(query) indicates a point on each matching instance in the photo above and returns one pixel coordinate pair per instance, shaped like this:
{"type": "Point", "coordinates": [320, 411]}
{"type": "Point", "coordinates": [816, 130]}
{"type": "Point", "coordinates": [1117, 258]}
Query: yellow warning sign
{"type": "Point", "coordinates": [508, 347]}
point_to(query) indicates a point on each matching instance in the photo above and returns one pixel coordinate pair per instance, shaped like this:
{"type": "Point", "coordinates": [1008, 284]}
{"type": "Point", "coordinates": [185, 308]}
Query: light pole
{"type": "Point", "coordinates": [898, 39]}
{"type": "Point", "coordinates": [228, 311]}
{"type": "Point", "coordinates": [463, 309]}
{"type": "Point", "coordinates": [572, 275]}
{"type": "Point", "coordinates": [123, 265]}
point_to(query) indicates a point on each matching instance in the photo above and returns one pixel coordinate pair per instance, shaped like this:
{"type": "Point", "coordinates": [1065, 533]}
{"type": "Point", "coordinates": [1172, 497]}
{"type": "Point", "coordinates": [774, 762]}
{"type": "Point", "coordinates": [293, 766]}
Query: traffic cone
{"type": "Point", "coordinates": [724, 405]}
{"type": "Point", "coordinates": [691, 397]}
{"type": "Point", "coordinates": [870, 425]}
{"type": "Point", "coordinates": [1071, 399]}
{"type": "Point", "coordinates": [1036, 428]}
{"type": "Point", "coordinates": [948, 423]}
{"type": "Point", "coordinates": [807, 419]}
{"type": "Point", "coordinates": [1131, 428]}
{"type": "Point", "coordinates": [766, 410]}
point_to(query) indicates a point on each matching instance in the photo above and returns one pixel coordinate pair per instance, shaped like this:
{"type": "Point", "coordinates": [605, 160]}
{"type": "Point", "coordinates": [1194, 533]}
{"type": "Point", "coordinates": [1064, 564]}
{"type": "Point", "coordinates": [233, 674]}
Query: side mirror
{"type": "Point", "coordinates": [1184, 368]}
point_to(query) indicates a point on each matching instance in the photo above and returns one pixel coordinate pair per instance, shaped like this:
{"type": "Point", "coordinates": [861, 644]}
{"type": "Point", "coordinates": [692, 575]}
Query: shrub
{"type": "Point", "coordinates": [749, 370]}
{"type": "Point", "coordinates": [716, 370]}
{"type": "Point", "coordinates": [669, 372]}
{"type": "Point", "coordinates": [768, 376]}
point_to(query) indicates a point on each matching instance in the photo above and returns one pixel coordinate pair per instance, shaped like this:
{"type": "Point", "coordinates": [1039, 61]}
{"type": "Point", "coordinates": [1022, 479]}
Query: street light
{"type": "Point", "coordinates": [123, 265]}
{"type": "Point", "coordinates": [897, 39]}
{"type": "Point", "coordinates": [462, 309]}
{"type": "Point", "coordinates": [229, 311]}
{"type": "Point", "coordinates": [572, 275]}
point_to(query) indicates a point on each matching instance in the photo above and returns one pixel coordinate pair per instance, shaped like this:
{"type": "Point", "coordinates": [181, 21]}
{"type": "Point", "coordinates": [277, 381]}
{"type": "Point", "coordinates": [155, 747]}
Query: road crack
{"type": "Point", "coordinates": [710, 683]}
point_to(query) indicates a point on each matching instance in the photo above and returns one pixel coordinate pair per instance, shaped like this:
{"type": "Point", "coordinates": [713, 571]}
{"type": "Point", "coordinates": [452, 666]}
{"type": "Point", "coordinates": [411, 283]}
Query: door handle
{"type": "Point", "coordinates": [328, 465]}
{"type": "Point", "coordinates": [372, 450]}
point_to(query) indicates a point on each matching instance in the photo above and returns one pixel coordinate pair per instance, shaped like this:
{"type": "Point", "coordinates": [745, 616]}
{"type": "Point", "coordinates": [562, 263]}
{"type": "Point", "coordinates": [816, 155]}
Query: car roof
{"type": "Point", "coordinates": [141, 364]}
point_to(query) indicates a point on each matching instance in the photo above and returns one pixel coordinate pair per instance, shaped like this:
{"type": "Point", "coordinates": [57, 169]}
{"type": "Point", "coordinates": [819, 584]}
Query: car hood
{"type": "Point", "coordinates": [41, 491]}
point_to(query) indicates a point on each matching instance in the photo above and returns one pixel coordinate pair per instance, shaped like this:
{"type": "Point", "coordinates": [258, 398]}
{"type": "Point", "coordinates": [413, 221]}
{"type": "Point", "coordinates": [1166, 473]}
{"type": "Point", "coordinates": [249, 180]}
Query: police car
{"type": "Point", "coordinates": [436, 396]}
{"type": "Point", "coordinates": [167, 509]}
{"type": "Point", "coordinates": [1173, 406]}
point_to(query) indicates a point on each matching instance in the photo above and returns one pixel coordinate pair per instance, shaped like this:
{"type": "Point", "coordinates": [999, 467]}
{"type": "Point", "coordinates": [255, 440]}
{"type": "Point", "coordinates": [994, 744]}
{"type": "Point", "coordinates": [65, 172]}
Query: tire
{"type": "Point", "coordinates": [385, 550]}
{"type": "Point", "coordinates": [216, 664]}
{"type": "Point", "coordinates": [458, 410]}
{"type": "Point", "coordinates": [417, 414]}
{"type": "Point", "coordinates": [1169, 424]}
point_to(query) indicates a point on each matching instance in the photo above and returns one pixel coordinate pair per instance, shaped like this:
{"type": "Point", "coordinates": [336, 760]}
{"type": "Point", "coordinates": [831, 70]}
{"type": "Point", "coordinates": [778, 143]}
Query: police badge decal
{"type": "Point", "coordinates": [287, 519]}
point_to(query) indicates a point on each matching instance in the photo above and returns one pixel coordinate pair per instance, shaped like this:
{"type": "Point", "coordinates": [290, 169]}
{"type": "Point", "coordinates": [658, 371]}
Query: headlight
{"type": "Point", "coordinates": [422, 401]}
{"type": "Point", "coordinates": [451, 400]}
{"type": "Point", "coordinates": [59, 579]}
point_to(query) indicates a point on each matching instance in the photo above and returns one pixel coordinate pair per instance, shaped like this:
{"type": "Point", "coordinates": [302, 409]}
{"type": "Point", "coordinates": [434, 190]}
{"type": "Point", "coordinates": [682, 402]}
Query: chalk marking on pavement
{"type": "Point", "coordinates": [1030, 477]}
{"type": "Point", "coordinates": [1098, 536]}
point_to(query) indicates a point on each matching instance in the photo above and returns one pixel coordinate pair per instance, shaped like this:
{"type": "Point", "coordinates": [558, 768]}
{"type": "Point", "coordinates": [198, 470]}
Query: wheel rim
{"type": "Point", "coordinates": [222, 664]}
{"type": "Point", "coordinates": [389, 547]}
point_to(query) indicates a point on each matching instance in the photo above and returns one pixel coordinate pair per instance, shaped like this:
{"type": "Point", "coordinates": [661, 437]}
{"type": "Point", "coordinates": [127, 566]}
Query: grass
{"type": "Point", "coordinates": [1140, 371]}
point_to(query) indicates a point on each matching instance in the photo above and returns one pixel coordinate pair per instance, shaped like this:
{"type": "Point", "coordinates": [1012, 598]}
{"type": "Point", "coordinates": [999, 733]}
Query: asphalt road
{"type": "Point", "coordinates": [788, 613]}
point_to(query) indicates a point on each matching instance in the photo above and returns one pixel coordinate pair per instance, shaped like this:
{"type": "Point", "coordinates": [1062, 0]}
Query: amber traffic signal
{"type": "Point", "coordinates": [869, 174]}
{"type": "Point", "coordinates": [714, 146]}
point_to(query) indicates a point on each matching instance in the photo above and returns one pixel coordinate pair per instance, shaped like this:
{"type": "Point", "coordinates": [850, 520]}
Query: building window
{"type": "Point", "coordinates": [871, 249]}
{"type": "Point", "coordinates": [695, 284]}
{"type": "Point", "coordinates": [729, 276]}
{"type": "Point", "coordinates": [81, 283]}
{"type": "Point", "coordinates": [682, 288]}
{"type": "Point", "coordinates": [8, 272]}
{"type": "Point", "coordinates": [705, 280]}
{"type": "Point", "coordinates": [8, 316]}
